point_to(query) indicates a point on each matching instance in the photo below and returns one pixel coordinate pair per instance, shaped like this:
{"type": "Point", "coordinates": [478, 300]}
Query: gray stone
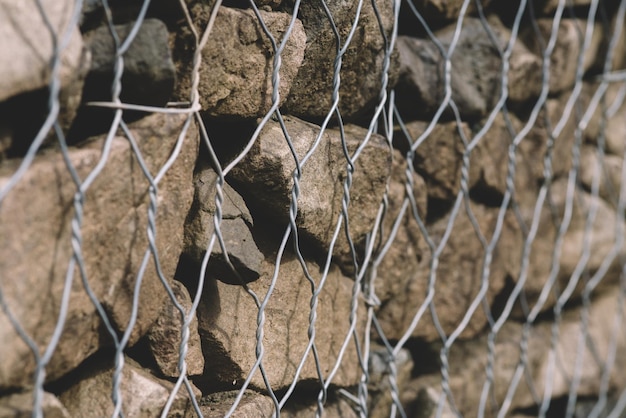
{"type": "Point", "coordinates": [143, 395]}
{"type": "Point", "coordinates": [235, 229]}
{"type": "Point", "coordinates": [475, 71]}
{"type": "Point", "coordinates": [37, 226]}
{"type": "Point", "coordinates": [227, 318]}
{"type": "Point", "coordinates": [362, 65]}
{"type": "Point", "coordinates": [164, 337]}
{"type": "Point", "coordinates": [237, 63]}
{"type": "Point", "coordinates": [149, 75]}
{"type": "Point", "coordinates": [265, 175]}
{"type": "Point", "coordinates": [21, 405]}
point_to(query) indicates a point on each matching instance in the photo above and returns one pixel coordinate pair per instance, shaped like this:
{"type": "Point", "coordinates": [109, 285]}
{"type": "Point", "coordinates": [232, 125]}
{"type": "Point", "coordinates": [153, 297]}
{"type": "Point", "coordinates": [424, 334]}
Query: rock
{"type": "Point", "coordinates": [165, 336]}
{"type": "Point", "coordinates": [439, 158]}
{"type": "Point", "coordinates": [568, 47]}
{"type": "Point", "coordinates": [379, 386]}
{"type": "Point", "coordinates": [539, 367]}
{"type": "Point", "coordinates": [26, 64]}
{"type": "Point", "coordinates": [596, 245]}
{"type": "Point", "coordinates": [422, 399]}
{"type": "Point", "coordinates": [396, 264]}
{"type": "Point", "coordinates": [252, 405]}
{"type": "Point", "coordinates": [237, 63]}
{"type": "Point", "coordinates": [362, 65]}
{"type": "Point", "coordinates": [457, 277]}
{"type": "Point", "coordinates": [549, 6]}
{"type": "Point", "coordinates": [265, 175]}
{"type": "Point", "coordinates": [338, 407]}
{"type": "Point", "coordinates": [26, 53]}
{"type": "Point", "coordinates": [608, 170]}
{"type": "Point", "coordinates": [21, 405]}
{"type": "Point", "coordinates": [235, 228]}
{"type": "Point", "coordinates": [433, 10]}
{"type": "Point", "coordinates": [227, 318]}
{"type": "Point", "coordinates": [613, 128]}
{"type": "Point", "coordinates": [143, 395]}
{"type": "Point", "coordinates": [148, 76]}
{"type": "Point", "coordinates": [37, 226]}
{"type": "Point", "coordinates": [475, 71]}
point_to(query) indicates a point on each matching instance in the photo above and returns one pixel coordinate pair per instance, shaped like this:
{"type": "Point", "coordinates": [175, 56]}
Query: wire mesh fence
{"type": "Point", "coordinates": [368, 208]}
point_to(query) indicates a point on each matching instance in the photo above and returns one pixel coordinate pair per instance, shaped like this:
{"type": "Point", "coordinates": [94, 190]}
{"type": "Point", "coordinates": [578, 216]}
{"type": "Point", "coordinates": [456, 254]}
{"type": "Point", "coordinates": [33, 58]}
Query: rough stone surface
{"type": "Point", "coordinates": [38, 227]}
{"type": "Point", "coordinates": [149, 74]}
{"type": "Point", "coordinates": [21, 405]}
{"type": "Point", "coordinates": [475, 71]}
{"type": "Point", "coordinates": [610, 124]}
{"type": "Point", "coordinates": [568, 46]}
{"type": "Point", "coordinates": [439, 158]}
{"type": "Point", "coordinates": [165, 336]}
{"type": "Point", "coordinates": [227, 318]}
{"type": "Point", "coordinates": [218, 404]}
{"type": "Point", "coordinates": [362, 65]}
{"type": "Point", "coordinates": [507, 357]}
{"type": "Point", "coordinates": [27, 71]}
{"type": "Point", "coordinates": [605, 170]}
{"type": "Point", "coordinates": [235, 228]}
{"type": "Point", "coordinates": [380, 388]}
{"type": "Point", "coordinates": [26, 53]}
{"type": "Point", "coordinates": [577, 246]}
{"type": "Point", "coordinates": [143, 395]}
{"type": "Point", "coordinates": [237, 63]}
{"type": "Point", "coordinates": [457, 277]}
{"type": "Point", "coordinates": [266, 176]}
{"type": "Point", "coordinates": [445, 9]}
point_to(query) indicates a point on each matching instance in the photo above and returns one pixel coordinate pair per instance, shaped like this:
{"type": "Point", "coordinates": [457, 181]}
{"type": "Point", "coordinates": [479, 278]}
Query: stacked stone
{"type": "Point", "coordinates": [254, 206]}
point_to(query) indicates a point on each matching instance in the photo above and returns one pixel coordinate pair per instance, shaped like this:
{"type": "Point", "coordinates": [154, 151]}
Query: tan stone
{"type": "Point", "coordinates": [237, 62]}
{"type": "Point", "coordinates": [539, 366]}
{"type": "Point", "coordinates": [266, 175]}
{"type": "Point", "coordinates": [21, 405]}
{"type": "Point", "coordinates": [568, 47]}
{"type": "Point", "coordinates": [457, 277]}
{"type": "Point", "coordinates": [227, 317]}
{"type": "Point", "coordinates": [609, 124]}
{"type": "Point", "coordinates": [36, 226]}
{"type": "Point", "coordinates": [27, 53]}
{"type": "Point", "coordinates": [606, 171]}
{"type": "Point", "coordinates": [164, 337]}
{"type": "Point", "coordinates": [593, 248]}
{"type": "Point", "coordinates": [439, 157]}
{"type": "Point", "coordinates": [142, 394]}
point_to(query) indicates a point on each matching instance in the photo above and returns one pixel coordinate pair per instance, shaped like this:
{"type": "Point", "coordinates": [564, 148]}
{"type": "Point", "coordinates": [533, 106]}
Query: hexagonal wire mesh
{"type": "Point", "coordinates": [448, 222]}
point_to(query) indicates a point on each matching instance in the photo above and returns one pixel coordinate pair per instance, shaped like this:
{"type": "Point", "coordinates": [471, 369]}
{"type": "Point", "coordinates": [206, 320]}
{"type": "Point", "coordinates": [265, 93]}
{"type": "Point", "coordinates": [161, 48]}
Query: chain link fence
{"type": "Point", "coordinates": [408, 209]}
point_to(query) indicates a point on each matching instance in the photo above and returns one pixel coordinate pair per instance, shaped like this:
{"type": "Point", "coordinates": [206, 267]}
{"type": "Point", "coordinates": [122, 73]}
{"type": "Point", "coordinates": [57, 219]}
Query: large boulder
{"type": "Point", "coordinates": [37, 231]}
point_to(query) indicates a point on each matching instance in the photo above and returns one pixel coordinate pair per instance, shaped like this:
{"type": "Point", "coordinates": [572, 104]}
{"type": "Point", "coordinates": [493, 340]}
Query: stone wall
{"type": "Point", "coordinates": [318, 207]}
